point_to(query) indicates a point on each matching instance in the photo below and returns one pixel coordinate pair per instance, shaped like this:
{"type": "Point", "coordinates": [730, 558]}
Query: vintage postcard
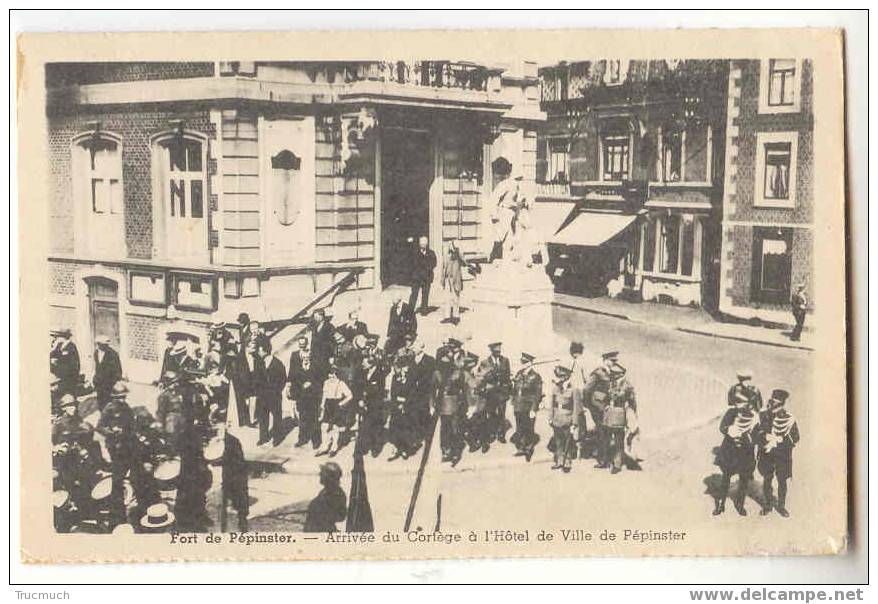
{"type": "Point", "coordinates": [377, 295]}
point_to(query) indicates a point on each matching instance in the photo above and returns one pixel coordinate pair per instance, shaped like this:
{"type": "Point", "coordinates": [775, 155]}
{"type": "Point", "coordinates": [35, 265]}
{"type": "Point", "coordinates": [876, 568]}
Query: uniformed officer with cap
{"type": "Point", "coordinates": [620, 399]}
{"type": "Point", "coordinates": [736, 456]}
{"type": "Point", "coordinates": [117, 427]}
{"type": "Point", "coordinates": [745, 391]}
{"type": "Point", "coordinates": [496, 386]}
{"type": "Point", "coordinates": [595, 397]}
{"type": "Point", "coordinates": [527, 394]}
{"type": "Point", "coordinates": [563, 411]}
{"type": "Point", "coordinates": [778, 435]}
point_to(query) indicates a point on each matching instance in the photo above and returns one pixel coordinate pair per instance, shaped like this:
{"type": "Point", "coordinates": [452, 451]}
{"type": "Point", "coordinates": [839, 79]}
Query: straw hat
{"type": "Point", "coordinates": [60, 498]}
{"type": "Point", "coordinates": [214, 450]}
{"type": "Point", "coordinates": [157, 515]}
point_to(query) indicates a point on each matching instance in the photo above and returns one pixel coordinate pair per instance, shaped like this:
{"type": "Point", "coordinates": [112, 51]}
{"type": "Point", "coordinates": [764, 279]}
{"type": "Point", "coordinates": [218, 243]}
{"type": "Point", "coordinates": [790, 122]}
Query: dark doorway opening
{"type": "Point", "coordinates": [406, 175]}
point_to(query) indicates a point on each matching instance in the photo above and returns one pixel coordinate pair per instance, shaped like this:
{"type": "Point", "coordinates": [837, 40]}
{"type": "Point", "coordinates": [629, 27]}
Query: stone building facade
{"type": "Point", "coordinates": [186, 193]}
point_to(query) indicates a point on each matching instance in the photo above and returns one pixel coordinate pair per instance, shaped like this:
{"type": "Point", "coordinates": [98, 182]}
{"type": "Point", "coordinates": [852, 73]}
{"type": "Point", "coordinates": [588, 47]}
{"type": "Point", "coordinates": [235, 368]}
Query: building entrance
{"type": "Point", "coordinates": [407, 173]}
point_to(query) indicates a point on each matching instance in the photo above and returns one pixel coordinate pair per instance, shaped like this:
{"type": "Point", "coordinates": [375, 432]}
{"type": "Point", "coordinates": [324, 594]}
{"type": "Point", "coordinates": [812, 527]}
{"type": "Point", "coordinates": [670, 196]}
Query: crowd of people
{"type": "Point", "coordinates": [756, 437]}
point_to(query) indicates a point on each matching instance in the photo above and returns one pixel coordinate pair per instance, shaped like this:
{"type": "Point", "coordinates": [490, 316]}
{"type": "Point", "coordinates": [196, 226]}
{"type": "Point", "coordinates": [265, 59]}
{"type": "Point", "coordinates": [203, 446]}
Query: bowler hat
{"type": "Point", "coordinates": [105, 340]}
{"type": "Point", "coordinates": [64, 332]}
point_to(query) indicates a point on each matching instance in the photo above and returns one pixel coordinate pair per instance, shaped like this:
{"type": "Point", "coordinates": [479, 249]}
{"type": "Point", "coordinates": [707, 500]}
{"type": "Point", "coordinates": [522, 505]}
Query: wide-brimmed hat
{"type": "Point", "coordinates": [744, 374]}
{"type": "Point", "coordinates": [167, 473]}
{"type": "Point", "coordinates": [158, 515]}
{"type": "Point", "coordinates": [494, 345]}
{"type": "Point", "coordinates": [60, 498]}
{"type": "Point", "coordinates": [123, 529]}
{"type": "Point", "coordinates": [612, 355]}
{"type": "Point", "coordinates": [104, 488]}
{"type": "Point", "coordinates": [68, 400]}
{"type": "Point", "coordinates": [179, 347]}
{"type": "Point", "coordinates": [527, 357]}
{"type": "Point", "coordinates": [63, 332]}
{"type": "Point", "coordinates": [214, 450]}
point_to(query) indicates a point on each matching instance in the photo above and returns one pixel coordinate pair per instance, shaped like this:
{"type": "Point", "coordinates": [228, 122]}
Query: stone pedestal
{"type": "Point", "coordinates": [512, 303]}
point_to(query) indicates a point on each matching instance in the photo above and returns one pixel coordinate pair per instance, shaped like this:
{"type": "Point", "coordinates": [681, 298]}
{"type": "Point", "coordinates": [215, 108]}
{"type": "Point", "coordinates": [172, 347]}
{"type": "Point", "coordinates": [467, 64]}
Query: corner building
{"type": "Point", "coordinates": [185, 193]}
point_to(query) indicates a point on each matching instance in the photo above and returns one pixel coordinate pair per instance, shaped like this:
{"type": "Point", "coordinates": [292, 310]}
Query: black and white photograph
{"type": "Point", "coordinates": [521, 306]}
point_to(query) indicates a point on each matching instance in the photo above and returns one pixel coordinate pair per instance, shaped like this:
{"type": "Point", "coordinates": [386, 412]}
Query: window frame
{"type": "Point", "coordinates": [763, 139]}
{"type": "Point", "coordinates": [87, 220]}
{"type": "Point", "coordinates": [757, 271]}
{"type": "Point", "coordinates": [765, 87]}
{"type": "Point", "coordinates": [629, 144]}
{"type": "Point", "coordinates": [144, 302]}
{"type": "Point", "coordinates": [174, 277]}
{"type": "Point", "coordinates": [551, 177]}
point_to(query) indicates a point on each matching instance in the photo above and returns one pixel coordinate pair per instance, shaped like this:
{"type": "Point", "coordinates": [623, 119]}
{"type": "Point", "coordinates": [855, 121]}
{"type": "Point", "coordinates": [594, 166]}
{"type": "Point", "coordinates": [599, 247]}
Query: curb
{"type": "Point", "coordinates": [688, 330]}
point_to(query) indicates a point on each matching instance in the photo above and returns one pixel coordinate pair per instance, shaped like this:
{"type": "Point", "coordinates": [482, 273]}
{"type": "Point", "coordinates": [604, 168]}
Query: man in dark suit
{"type": "Point", "coordinates": [305, 389]}
{"type": "Point", "coordinates": [322, 342]}
{"type": "Point", "coordinates": [402, 323]}
{"type": "Point", "coordinates": [244, 381]}
{"type": "Point", "coordinates": [270, 379]}
{"type": "Point", "coordinates": [421, 375]}
{"type": "Point", "coordinates": [64, 361]}
{"type": "Point", "coordinates": [497, 386]}
{"type": "Point", "coordinates": [108, 370]}
{"type": "Point", "coordinates": [354, 327]}
{"type": "Point", "coordinates": [423, 264]}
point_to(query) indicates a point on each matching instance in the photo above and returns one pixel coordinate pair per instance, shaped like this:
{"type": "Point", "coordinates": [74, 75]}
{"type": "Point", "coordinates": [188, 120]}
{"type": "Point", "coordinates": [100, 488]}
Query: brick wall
{"type": "Point", "coordinates": [61, 279]}
{"type": "Point", "coordinates": [142, 337]}
{"type": "Point", "coordinates": [750, 122]}
{"type": "Point", "coordinates": [65, 74]}
{"type": "Point", "coordinates": [240, 183]}
{"type": "Point", "coordinates": [135, 127]}
{"type": "Point", "coordinates": [738, 260]}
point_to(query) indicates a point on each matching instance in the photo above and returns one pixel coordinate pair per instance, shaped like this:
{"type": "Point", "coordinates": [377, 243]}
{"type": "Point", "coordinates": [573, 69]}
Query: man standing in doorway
{"type": "Point", "coordinates": [108, 370]}
{"type": "Point", "coordinates": [423, 265]}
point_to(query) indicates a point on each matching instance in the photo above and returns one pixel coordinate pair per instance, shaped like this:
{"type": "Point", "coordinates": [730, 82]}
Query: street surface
{"type": "Point", "coordinates": [681, 382]}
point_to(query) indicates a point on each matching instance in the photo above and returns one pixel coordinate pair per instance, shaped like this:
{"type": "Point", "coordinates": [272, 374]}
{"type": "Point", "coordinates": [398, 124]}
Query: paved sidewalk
{"type": "Point", "coordinates": [686, 319]}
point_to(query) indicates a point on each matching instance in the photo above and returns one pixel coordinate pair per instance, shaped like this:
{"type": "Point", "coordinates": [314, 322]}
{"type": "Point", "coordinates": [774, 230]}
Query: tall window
{"type": "Point", "coordinates": [777, 170]}
{"type": "Point", "coordinates": [781, 82]}
{"type": "Point", "coordinates": [613, 74]}
{"type": "Point", "coordinates": [557, 158]}
{"type": "Point", "coordinates": [670, 245]}
{"type": "Point", "coordinates": [772, 264]}
{"type": "Point", "coordinates": [616, 156]}
{"type": "Point", "coordinates": [104, 175]}
{"type": "Point", "coordinates": [671, 155]}
{"type": "Point", "coordinates": [185, 177]}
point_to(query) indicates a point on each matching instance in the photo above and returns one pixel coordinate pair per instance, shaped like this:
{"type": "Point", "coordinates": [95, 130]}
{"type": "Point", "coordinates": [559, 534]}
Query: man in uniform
{"type": "Point", "coordinates": [799, 307]}
{"type": "Point", "coordinates": [64, 361]}
{"type": "Point", "coordinates": [117, 427]}
{"type": "Point", "coordinates": [527, 393]}
{"type": "Point", "coordinates": [778, 435]}
{"type": "Point", "coordinates": [620, 399]}
{"type": "Point", "coordinates": [108, 370]}
{"type": "Point", "coordinates": [496, 385]}
{"type": "Point", "coordinates": [595, 395]}
{"type": "Point", "coordinates": [738, 427]}
{"type": "Point", "coordinates": [745, 391]}
{"type": "Point", "coordinates": [563, 411]}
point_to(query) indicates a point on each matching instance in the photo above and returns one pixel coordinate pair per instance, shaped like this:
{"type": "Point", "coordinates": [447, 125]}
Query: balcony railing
{"type": "Point", "coordinates": [429, 74]}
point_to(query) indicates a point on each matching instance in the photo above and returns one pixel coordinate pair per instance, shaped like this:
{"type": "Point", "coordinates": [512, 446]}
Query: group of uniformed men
{"type": "Point", "coordinates": [756, 437]}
